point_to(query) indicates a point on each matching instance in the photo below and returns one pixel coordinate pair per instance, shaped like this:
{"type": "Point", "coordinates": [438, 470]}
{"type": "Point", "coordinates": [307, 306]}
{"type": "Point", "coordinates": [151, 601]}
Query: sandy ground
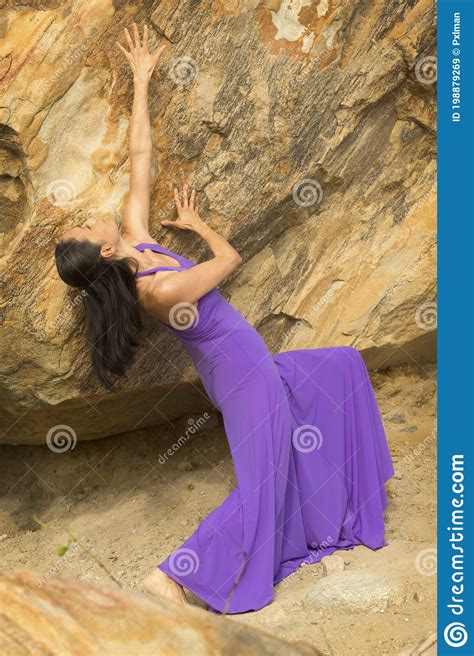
{"type": "Point", "coordinates": [127, 511]}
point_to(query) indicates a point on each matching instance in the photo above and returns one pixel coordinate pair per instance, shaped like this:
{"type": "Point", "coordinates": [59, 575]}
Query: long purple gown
{"type": "Point", "coordinates": [309, 451]}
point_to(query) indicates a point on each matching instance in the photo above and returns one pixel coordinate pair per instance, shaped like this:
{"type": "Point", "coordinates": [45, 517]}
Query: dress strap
{"type": "Point", "coordinates": [157, 248]}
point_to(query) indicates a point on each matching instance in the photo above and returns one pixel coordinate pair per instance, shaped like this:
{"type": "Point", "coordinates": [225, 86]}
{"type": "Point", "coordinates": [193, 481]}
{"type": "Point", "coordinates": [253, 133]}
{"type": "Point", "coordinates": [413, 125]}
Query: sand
{"type": "Point", "coordinates": [123, 509]}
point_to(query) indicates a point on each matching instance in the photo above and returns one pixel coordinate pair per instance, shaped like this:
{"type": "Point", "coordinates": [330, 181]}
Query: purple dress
{"type": "Point", "coordinates": [309, 450]}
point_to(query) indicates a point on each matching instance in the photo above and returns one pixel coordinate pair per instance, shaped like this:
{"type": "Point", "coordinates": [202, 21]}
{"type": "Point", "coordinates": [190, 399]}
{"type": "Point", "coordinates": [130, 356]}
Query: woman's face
{"type": "Point", "coordinates": [97, 231]}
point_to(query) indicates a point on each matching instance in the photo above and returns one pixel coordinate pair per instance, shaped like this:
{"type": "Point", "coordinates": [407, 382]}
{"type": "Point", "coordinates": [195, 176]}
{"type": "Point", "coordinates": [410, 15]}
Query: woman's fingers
{"type": "Point", "coordinates": [129, 57]}
{"type": "Point", "coordinates": [177, 200]}
{"type": "Point", "coordinates": [174, 224]}
{"type": "Point", "coordinates": [157, 54]}
{"type": "Point", "coordinates": [129, 39]}
{"type": "Point", "coordinates": [125, 52]}
{"type": "Point", "coordinates": [184, 201]}
{"type": "Point", "coordinates": [185, 196]}
{"type": "Point", "coordinates": [139, 54]}
{"type": "Point", "coordinates": [136, 36]}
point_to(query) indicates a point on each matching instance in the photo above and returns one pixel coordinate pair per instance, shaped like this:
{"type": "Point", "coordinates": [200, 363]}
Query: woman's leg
{"type": "Point", "coordinates": [158, 584]}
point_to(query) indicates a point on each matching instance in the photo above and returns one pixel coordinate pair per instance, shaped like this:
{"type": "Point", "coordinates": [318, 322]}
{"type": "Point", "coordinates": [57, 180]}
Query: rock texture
{"type": "Point", "coordinates": [67, 617]}
{"type": "Point", "coordinates": [349, 592]}
{"type": "Point", "coordinates": [307, 127]}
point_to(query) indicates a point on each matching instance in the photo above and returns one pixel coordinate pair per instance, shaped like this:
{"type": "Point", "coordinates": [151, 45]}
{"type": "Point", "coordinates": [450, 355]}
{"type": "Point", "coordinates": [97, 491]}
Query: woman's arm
{"type": "Point", "coordinates": [142, 63]}
{"type": "Point", "coordinates": [191, 284]}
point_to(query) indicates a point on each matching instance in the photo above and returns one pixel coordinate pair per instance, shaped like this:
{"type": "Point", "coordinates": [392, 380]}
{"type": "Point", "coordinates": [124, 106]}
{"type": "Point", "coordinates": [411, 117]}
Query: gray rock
{"type": "Point", "coordinates": [409, 429]}
{"type": "Point", "coordinates": [332, 564]}
{"type": "Point", "coordinates": [352, 592]}
{"type": "Point", "coordinates": [395, 417]}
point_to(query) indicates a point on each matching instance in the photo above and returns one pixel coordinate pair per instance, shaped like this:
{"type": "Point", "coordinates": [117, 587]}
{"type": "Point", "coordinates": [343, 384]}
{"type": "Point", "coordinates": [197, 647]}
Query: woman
{"type": "Point", "coordinates": [306, 438]}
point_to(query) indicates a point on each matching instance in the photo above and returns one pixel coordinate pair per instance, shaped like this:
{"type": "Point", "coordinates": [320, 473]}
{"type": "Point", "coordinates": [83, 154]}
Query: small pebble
{"type": "Point", "coordinates": [184, 466]}
{"type": "Point", "coordinates": [395, 417]}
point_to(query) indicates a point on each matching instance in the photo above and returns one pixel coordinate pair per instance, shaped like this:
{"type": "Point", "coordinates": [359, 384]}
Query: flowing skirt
{"type": "Point", "coordinates": [311, 461]}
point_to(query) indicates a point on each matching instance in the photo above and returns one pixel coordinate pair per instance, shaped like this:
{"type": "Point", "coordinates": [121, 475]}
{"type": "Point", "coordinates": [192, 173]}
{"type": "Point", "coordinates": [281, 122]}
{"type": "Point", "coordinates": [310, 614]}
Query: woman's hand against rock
{"type": "Point", "coordinates": [188, 217]}
{"type": "Point", "coordinates": [141, 61]}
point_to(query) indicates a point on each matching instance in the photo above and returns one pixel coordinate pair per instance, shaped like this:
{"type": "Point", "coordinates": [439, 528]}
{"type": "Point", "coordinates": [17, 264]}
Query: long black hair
{"type": "Point", "coordinates": [111, 303]}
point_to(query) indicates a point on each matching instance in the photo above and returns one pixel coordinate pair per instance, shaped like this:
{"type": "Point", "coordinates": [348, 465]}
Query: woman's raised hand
{"type": "Point", "coordinates": [141, 61]}
{"type": "Point", "coordinates": [188, 217]}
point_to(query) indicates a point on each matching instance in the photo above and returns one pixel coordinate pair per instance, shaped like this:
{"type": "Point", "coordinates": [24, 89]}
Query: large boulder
{"type": "Point", "coordinates": [307, 127]}
{"type": "Point", "coordinates": [67, 617]}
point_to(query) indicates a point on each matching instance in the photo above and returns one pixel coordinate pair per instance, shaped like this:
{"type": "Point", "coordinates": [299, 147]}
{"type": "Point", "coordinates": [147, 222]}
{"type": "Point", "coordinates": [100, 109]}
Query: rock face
{"type": "Point", "coordinates": [66, 617]}
{"type": "Point", "coordinates": [307, 127]}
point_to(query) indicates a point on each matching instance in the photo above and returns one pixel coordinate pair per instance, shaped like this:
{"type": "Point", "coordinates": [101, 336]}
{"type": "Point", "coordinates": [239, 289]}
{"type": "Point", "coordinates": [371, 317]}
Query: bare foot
{"type": "Point", "coordinates": [159, 584]}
